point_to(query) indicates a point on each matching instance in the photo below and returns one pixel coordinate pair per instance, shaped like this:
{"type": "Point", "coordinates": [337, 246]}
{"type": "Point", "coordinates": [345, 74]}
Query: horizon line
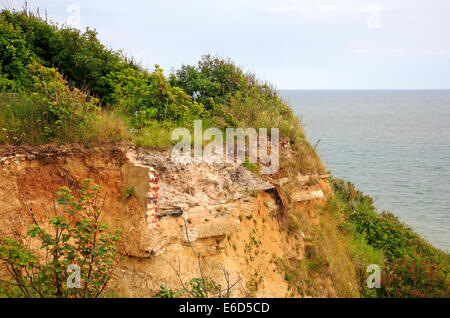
{"type": "Point", "coordinates": [363, 89]}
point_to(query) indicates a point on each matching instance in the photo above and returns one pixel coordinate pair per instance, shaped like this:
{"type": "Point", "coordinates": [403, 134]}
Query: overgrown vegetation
{"type": "Point", "coordinates": [77, 242]}
{"type": "Point", "coordinates": [58, 84]}
{"type": "Point", "coordinates": [61, 85]}
{"type": "Point", "coordinates": [412, 267]}
{"type": "Point", "coordinates": [326, 256]}
{"type": "Point", "coordinates": [347, 236]}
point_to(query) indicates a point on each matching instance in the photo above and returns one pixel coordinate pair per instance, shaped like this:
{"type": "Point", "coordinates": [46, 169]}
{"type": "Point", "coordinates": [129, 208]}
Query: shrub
{"type": "Point", "coordinates": [14, 57]}
{"type": "Point", "coordinates": [149, 97]}
{"type": "Point", "coordinates": [53, 112]}
{"type": "Point", "coordinates": [78, 55]}
{"type": "Point", "coordinates": [412, 268]}
{"type": "Point", "coordinates": [65, 111]}
{"type": "Point", "coordinates": [217, 82]}
{"type": "Point", "coordinates": [165, 293]}
{"type": "Point", "coordinates": [405, 278]}
{"type": "Point", "coordinates": [77, 238]}
{"type": "Point", "coordinates": [211, 82]}
{"type": "Point", "coordinates": [89, 65]}
{"type": "Point", "coordinates": [128, 192]}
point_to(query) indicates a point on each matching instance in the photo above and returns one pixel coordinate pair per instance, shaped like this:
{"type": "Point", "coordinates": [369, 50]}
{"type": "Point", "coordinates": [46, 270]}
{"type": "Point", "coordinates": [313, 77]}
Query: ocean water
{"type": "Point", "coordinates": [392, 144]}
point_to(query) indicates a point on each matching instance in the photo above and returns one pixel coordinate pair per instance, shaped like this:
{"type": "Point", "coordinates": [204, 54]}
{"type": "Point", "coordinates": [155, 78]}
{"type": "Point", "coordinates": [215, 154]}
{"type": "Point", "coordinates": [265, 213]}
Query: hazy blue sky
{"type": "Point", "coordinates": [304, 44]}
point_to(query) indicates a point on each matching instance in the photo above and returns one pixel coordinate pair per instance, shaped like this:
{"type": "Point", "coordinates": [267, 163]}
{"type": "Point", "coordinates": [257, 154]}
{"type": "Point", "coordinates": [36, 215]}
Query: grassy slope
{"type": "Point", "coordinates": [412, 266]}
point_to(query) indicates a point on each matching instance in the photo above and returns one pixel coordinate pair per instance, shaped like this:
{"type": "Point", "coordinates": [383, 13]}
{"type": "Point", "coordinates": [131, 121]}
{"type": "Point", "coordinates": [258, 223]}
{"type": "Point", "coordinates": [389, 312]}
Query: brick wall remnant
{"type": "Point", "coordinates": [152, 198]}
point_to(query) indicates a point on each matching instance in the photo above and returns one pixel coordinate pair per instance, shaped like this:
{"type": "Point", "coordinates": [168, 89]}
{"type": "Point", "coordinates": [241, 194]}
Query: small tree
{"type": "Point", "coordinates": [79, 243]}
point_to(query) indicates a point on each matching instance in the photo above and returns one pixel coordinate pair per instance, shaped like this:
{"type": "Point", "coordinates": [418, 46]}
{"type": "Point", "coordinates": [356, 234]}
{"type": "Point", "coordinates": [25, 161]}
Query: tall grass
{"type": "Point", "coordinates": [327, 256]}
{"type": "Point", "coordinates": [22, 121]}
{"type": "Point", "coordinates": [157, 136]}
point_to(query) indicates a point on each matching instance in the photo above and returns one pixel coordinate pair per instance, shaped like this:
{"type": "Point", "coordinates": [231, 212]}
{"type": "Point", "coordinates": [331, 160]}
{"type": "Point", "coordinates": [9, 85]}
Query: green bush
{"type": "Point", "coordinates": [79, 56]}
{"type": "Point", "coordinates": [405, 278]}
{"type": "Point", "coordinates": [51, 112]}
{"type": "Point", "coordinates": [14, 57]}
{"type": "Point", "coordinates": [149, 97]}
{"type": "Point", "coordinates": [89, 65]}
{"type": "Point", "coordinates": [212, 82]}
{"type": "Point", "coordinates": [165, 293]}
{"type": "Point", "coordinates": [412, 268]}
{"type": "Point", "coordinates": [128, 192]}
{"type": "Point", "coordinates": [238, 98]}
{"type": "Point", "coordinates": [77, 237]}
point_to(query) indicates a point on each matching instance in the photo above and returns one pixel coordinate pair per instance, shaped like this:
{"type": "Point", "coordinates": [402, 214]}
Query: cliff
{"type": "Point", "coordinates": [231, 216]}
{"type": "Point", "coordinates": [72, 109]}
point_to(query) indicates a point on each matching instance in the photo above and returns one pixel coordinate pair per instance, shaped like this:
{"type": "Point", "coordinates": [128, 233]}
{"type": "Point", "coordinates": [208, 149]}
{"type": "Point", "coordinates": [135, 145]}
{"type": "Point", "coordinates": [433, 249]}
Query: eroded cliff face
{"type": "Point", "coordinates": [232, 217]}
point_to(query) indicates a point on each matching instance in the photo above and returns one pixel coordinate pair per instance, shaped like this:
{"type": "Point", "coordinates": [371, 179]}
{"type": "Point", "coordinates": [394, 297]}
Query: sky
{"type": "Point", "coordinates": [294, 44]}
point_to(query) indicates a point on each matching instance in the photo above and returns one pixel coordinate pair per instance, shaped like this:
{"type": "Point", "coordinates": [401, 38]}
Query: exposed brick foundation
{"type": "Point", "coordinates": [149, 197]}
{"type": "Point", "coordinates": [152, 199]}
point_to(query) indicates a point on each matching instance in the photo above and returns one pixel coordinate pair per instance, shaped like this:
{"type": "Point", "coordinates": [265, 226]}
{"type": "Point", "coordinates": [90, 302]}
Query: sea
{"type": "Point", "coordinates": [392, 144]}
